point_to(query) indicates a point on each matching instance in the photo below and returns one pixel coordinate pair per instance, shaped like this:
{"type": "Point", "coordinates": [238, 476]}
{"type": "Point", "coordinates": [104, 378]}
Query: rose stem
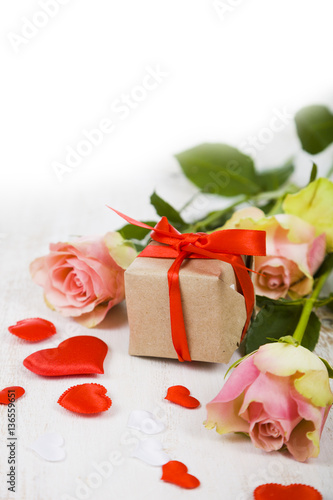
{"type": "Point", "coordinates": [307, 309]}
{"type": "Point", "coordinates": [210, 219]}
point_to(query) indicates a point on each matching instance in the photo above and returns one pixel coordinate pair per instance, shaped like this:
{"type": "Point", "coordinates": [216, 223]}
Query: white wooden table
{"type": "Point", "coordinates": [227, 466]}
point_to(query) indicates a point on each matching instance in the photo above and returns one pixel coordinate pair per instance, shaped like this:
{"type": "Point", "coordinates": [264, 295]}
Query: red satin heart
{"type": "Point", "coordinates": [33, 329]}
{"type": "Point", "coordinates": [274, 491]}
{"type": "Point", "coordinates": [77, 355]}
{"type": "Point", "coordinates": [85, 398]}
{"type": "Point", "coordinates": [6, 398]}
{"type": "Point", "coordinates": [181, 396]}
{"type": "Point", "coordinates": [176, 472]}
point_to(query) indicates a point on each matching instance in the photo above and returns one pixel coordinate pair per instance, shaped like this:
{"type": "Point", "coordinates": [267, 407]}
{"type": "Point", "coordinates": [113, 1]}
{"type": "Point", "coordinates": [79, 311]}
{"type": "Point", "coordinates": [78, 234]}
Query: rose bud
{"type": "Point", "coordinates": [293, 252]}
{"type": "Point", "coordinates": [280, 396]}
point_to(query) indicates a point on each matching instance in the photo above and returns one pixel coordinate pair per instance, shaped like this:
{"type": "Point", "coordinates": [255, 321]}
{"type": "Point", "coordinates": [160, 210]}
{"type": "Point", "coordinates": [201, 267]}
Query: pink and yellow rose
{"type": "Point", "coordinates": [84, 278]}
{"type": "Point", "coordinates": [280, 396]}
{"type": "Point", "coordinates": [293, 252]}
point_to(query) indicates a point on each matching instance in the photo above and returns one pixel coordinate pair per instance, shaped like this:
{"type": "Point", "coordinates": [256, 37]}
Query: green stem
{"type": "Point", "coordinates": [308, 306]}
{"type": "Point", "coordinates": [189, 201]}
{"type": "Point", "coordinates": [273, 195]}
{"type": "Point", "coordinates": [215, 216]}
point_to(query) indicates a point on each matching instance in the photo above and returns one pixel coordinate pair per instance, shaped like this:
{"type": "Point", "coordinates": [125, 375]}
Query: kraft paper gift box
{"type": "Point", "coordinates": [214, 312]}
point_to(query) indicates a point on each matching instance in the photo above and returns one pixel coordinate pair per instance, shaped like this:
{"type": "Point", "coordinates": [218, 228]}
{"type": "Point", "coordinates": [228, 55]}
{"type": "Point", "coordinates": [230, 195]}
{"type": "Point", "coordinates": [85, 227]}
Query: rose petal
{"type": "Point", "coordinates": [314, 386]}
{"type": "Point", "coordinates": [316, 253]}
{"type": "Point", "coordinates": [223, 410]}
{"type": "Point", "coordinates": [123, 252]}
{"type": "Point", "coordinates": [281, 406]}
{"type": "Point", "coordinates": [303, 442]}
{"type": "Point", "coordinates": [284, 359]}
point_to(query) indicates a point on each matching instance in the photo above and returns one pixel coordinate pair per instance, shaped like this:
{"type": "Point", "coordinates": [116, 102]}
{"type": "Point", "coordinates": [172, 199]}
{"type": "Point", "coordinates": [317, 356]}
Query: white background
{"type": "Point", "coordinates": [227, 74]}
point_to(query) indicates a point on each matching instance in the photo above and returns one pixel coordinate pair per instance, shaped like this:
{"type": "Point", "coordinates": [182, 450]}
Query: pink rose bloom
{"type": "Point", "coordinates": [280, 396]}
{"type": "Point", "coordinates": [293, 252]}
{"type": "Point", "coordinates": [84, 278]}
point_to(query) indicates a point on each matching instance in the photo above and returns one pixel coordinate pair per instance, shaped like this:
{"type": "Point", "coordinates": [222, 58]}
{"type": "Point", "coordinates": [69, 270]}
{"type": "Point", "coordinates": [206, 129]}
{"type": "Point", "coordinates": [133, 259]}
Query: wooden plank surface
{"type": "Point", "coordinates": [227, 466]}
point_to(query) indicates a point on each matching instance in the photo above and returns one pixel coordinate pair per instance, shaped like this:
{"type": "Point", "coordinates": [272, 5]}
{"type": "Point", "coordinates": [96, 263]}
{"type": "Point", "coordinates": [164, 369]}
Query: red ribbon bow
{"type": "Point", "coordinates": [226, 245]}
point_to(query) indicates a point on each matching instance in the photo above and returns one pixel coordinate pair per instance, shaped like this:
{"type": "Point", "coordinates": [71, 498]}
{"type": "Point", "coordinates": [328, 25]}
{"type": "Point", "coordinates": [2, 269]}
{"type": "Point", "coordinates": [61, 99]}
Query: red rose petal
{"type": "Point", "coordinates": [274, 491]}
{"type": "Point", "coordinates": [181, 396]}
{"type": "Point", "coordinates": [77, 355]}
{"type": "Point", "coordinates": [85, 398]}
{"type": "Point", "coordinates": [33, 329]}
{"type": "Point", "coordinates": [176, 472]}
{"type": "Point", "coordinates": [6, 394]}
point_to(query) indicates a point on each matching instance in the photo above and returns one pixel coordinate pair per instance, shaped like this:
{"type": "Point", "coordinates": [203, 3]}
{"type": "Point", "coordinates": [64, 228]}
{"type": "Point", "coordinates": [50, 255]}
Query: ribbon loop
{"type": "Point", "coordinates": [226, 245]}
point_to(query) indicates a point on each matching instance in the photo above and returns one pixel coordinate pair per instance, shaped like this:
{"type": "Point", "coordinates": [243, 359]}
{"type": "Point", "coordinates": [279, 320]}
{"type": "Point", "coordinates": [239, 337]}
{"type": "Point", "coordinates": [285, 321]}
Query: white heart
{"type": "Point", "coordinates": [145, 421]}
{"type": "Point", "coordinates": [151, 451]}
{"type": "Point", "coordinates": [48, 446]}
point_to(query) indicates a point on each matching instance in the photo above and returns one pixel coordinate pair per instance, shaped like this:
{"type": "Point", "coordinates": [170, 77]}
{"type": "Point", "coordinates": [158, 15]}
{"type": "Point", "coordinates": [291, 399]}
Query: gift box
{"type": "Point", "coordinates": [214, 310]}
{"type": "Point", "coordinates": [189, 295]}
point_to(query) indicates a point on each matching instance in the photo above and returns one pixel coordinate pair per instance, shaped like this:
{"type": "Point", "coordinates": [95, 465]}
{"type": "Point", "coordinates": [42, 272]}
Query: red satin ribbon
{"type": "Point", "coordinates": [226, 245]}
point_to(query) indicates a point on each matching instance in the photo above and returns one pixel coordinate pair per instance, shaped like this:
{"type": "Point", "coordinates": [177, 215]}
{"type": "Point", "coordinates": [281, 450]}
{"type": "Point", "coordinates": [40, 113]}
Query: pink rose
{"type": "Point", "coordinates": [294, 253]}
{"type": "Point", "coordinates": [280, 396]}
{"type": "Point", "coordinates": [84, 278]}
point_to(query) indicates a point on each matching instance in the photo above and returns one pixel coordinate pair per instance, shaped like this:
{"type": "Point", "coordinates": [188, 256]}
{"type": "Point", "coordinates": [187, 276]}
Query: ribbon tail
{"type": "Point", "coordinates": [130, 220]}
{"type": "Point", "coordinates": [247, 288]}
{"type": "Point", "coordinates": [178, 331]}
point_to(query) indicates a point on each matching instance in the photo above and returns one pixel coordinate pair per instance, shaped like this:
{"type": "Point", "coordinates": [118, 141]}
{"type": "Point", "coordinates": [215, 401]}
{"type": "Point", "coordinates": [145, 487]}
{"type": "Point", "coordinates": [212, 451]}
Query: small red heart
{"type": "Point", "coordinates": [274, 491]}
{"type": "Point", "coordinates": [176, 472]}
{"type": "Point", "coordinates": [181, 396]}
{"type": "Point", "coordinates": [85, 398]}
{"type": "Point", "coordinates": [11, 394]}
{"type": "Point", "coordinates": [77, 355]}
{"type": "Point", "coordinates": [33, 329]}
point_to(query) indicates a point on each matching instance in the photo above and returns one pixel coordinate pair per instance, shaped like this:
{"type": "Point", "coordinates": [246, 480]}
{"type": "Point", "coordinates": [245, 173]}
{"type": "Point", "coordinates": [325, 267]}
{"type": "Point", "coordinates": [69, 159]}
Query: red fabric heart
{"type": "Point", "coordinates": [176, 472]}
{"type": "Point", "coordinates": [181, 396]}
{"type": "Point", "coordinates": [77, 355]}
{"type": "Point", "coordinates": [33, 329]}
{"type": "Point", "coordinates": [274, 491]}
{"type": "Point", "coordinates": [85, 398]}
{"type": "Point", "coordinates": [6, 395]}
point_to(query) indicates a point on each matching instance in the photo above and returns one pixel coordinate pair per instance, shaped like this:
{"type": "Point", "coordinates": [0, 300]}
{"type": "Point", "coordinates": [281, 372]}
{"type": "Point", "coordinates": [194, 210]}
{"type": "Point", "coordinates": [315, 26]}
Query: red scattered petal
{"type": "Point", "coordinates": [181, 396]}
{"type": "Point", "coordinates": [77, 355]}
{"type": "Point", "coordinates": [6, 395]}
{"type": "Point", "coordinates": [33, 329]}
{"type": "Point", "coordinates": [85, 398]}
{"type": "Point", "coordinates": [176, 472]}
{"type": "Point", "coordinates": [274, 491]}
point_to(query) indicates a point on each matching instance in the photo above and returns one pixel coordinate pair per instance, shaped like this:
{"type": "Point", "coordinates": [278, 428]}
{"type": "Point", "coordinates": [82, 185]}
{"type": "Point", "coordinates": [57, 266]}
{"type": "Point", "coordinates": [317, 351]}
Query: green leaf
{"type": "Point", "coordinates": [164, 209]}
{"type": "Point", "coordinates": [130, 232]}
{"type": "Point", "coordinates": [139, 247]}
{"type": "Point", "coordinates": [326, 266]}
{"type": "Point", "coordinates": [272, 179]}
{"type": "Point", "coordinates": [328, 366]}
{"type": "Point", "coordinates": [262, 301]}
{"type": "Point", "coordinates": [315, 128]}
{"type": "Point", "coordinates": [219, 169]}
{"type": "Point", "coordinates": [280, 320]}
{"type": "Point", "coordinates": [314, 172]}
